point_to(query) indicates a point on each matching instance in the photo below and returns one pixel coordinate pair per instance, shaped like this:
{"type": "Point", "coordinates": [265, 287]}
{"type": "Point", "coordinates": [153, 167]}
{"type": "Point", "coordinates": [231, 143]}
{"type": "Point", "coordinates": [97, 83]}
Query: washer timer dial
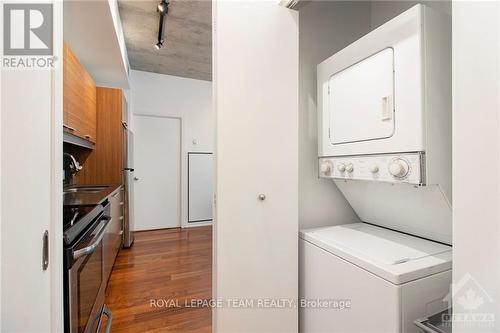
{"type": "Point", "coordinates": [326, 168]}
{"type": "Point", "coordinates": [399, 168]}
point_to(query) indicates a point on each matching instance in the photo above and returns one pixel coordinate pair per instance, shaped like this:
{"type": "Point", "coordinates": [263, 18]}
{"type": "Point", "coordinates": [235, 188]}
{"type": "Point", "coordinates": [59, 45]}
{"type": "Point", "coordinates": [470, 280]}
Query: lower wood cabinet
{"type": "Point", "coordinates": [113, 236]}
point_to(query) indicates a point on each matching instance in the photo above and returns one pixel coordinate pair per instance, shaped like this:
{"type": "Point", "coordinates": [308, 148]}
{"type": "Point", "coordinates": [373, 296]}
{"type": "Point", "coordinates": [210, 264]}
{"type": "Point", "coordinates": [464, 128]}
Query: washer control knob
{"type": "Point", "coordinates": [325, 168]}
{"type": "Point", "coordinates": [399, 168]}
{"type": "Point", "coordinates": [341, 167]}
{"type": "Point", "coordinates": [374, 168]}
{"type": "Point", "coordinates": [349, 167]}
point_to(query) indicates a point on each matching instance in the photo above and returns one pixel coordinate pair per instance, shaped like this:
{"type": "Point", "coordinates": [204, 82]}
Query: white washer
{"type": "Point", "coordinates": [388, 278]}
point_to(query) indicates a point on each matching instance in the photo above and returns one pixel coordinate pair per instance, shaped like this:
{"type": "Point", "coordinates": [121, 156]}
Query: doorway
{"type": "Point", "coordinates": [157, 182]}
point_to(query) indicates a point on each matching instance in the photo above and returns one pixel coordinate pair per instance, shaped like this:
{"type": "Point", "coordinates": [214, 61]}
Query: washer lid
{"type": "Point", "coordinates": [392, 255]}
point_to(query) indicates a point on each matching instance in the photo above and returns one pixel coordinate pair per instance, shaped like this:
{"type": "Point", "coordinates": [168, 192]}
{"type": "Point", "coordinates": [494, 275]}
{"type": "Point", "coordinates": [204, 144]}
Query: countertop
{"type": "Point", "coordinates": [89, 199]}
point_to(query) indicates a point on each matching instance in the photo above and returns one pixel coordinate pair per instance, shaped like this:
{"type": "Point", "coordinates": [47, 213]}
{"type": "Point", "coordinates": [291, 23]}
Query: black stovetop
{"type": "Point", "coordinates": [78, 218]}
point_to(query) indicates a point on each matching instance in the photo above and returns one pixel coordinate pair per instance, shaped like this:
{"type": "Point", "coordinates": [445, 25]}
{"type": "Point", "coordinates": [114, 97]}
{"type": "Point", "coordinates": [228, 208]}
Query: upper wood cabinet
{"type": "Point", "coordinates": [105, 163]}
{"type": "Point", "coordinates": [79, 100]}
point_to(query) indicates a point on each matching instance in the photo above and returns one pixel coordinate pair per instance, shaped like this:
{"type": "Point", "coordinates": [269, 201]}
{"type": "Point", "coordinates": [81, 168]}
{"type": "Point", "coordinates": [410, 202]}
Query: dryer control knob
{"type": "Point", "coordinates": [349, 167]}
{"type": "Point", "coordinates": [325, 168]}
{"type": "Point", "coordinates": [341, 167]}
{"type": "Point", "coordinates": [399, 168]}
{"type": "Point", "coordinates": [374, 168]}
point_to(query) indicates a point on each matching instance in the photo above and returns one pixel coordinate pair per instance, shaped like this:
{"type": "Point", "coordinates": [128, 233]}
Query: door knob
{"type": "Point", "coordinates": [262, 197]}
{"type": "Point", "coordinates": [136, 178]}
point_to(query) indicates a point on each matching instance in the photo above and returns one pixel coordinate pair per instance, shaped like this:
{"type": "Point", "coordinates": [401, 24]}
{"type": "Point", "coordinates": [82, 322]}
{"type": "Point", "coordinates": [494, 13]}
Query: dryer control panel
{"type": "Point", "coordinates": [394, 168]}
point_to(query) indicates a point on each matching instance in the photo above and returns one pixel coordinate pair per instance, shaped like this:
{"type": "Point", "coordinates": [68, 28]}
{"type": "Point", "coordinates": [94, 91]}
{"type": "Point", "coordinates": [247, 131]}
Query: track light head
{"type": "Point", "coordinates": [159, 44]}
{"type": "Point", "coordinates": [163, 7]}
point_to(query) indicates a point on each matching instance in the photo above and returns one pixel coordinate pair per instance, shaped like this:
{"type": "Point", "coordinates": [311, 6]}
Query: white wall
{"type": "Point", "coordinates": [115, 14]}
{"type": "Point", "coordinates": [383, 11]}
{"type": "Point", "coordinates": [165, 95]}
{"type": "Point", "coordinates": [476, 154]}
{"type": "Point", "coordinates": [325, 28]}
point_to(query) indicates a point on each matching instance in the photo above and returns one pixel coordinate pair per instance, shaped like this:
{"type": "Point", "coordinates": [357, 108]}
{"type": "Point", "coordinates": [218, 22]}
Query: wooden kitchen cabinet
{"type": "Point", "coordinates": [79, 98]}
{"type": "Point", "coordinates": [113, 235]}
{"type": "Point", "coordinates": [104, 164]}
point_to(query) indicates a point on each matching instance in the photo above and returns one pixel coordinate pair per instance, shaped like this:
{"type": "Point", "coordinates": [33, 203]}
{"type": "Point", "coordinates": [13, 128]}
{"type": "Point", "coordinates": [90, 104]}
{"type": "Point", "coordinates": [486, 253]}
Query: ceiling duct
{"type": "Point", "coordinates": [288, 3]}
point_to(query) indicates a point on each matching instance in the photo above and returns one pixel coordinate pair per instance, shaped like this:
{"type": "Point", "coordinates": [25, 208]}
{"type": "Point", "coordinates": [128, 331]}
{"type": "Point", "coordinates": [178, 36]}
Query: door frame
{"type": "Point", "coordinates": [183, 161]}
{"type": "Point", "coordinates": [56, 156]}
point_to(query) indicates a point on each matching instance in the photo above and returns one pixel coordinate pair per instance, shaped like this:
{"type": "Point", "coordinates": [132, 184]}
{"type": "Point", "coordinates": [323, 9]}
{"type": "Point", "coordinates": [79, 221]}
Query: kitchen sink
{"type": "Point", "coordinates": [87, 195]}
{"type": "Point", "coordinates": [85, 189]}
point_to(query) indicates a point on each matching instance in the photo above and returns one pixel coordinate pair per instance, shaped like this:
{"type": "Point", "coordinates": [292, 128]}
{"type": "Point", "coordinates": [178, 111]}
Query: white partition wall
{"type": "Point", "coordinates": [256, 101]}
{"type": "Point", "coordinates": [476, 166]}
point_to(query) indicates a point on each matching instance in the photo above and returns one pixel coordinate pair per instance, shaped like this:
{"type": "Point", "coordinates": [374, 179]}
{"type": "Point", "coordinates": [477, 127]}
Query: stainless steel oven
{"type": "Point", "coordinates": [84, 274]}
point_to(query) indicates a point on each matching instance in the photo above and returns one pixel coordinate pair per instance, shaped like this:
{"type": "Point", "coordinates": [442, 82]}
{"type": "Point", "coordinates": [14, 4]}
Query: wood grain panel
{"type": "Point", "coordinates": [162, 264]}
{"type": "Point", "coordinates": [104, 164]}
{"type": "Point", "coordinates": [79, 101]}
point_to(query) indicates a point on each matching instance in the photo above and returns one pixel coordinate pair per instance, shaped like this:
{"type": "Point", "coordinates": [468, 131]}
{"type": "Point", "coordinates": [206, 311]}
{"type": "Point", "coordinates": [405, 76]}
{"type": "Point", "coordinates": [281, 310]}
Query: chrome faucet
{"type": "Point", "coordinates": [73, 164]}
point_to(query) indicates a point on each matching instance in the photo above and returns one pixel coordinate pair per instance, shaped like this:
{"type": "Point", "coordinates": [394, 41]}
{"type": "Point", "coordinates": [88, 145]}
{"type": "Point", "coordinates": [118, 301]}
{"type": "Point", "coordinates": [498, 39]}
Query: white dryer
{"type": "Point", "coordinates": [361, 278]}
{"type": "Point", "coordinates": [390, 91]}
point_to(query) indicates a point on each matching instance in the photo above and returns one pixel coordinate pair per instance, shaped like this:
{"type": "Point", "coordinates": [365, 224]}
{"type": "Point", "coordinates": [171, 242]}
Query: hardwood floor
{"type": "Point", "coordinates": [162, 266]}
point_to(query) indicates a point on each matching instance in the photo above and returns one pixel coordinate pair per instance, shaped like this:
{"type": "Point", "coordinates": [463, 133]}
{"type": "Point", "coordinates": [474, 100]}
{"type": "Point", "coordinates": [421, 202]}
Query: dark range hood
{"type": "Point", "coordinates": [77, 141]}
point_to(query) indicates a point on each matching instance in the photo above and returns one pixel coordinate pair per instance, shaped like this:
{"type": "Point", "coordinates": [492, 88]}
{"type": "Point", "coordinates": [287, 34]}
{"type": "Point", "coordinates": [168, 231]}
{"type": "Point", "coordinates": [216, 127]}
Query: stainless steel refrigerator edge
{"type": "Point", "coordinates": [128, 187]}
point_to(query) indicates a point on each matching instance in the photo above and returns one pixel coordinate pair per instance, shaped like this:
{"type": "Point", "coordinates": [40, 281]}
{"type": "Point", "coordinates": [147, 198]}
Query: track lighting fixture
{"type": "Point", "coordinates": [162, 8]}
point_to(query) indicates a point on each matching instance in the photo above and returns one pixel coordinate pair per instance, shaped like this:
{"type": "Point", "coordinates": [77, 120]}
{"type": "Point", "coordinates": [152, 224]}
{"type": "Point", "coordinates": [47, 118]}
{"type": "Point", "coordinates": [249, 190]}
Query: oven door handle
{"type": "Point", "coordinates": [97, 239]}
{"type": "Point", "coordinates": [106, 312]}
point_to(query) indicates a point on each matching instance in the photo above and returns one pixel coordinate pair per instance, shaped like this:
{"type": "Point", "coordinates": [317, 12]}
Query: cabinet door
{"type": "Point", "coordinates": [113, 236]}
{"type": "Point", "coordinates": [79, 101]}
{"type": "Point", "coordinates": [105, 164]}
{"type": "Point", "coordinates": [89, 126]}
{"type": "Point", "coordinates": [256, 98]}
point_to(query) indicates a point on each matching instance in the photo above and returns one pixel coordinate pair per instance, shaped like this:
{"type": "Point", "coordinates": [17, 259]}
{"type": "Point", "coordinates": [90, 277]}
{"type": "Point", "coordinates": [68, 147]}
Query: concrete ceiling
{"type": "Point", "coordinates": [187, 50]}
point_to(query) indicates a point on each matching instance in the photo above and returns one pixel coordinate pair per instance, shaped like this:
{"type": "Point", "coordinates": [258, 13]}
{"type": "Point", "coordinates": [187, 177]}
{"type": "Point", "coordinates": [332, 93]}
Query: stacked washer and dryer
{"type": "Point", "coordinates": [385, 140]}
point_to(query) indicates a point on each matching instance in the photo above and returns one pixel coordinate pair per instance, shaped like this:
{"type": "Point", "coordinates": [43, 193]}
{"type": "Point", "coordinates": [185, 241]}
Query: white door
{"type": "Point", "coordinates": [256, 96]}
{"type": "Point", "coordinates": [361, 100]}
{"type": "Point", "coordinates": [157, 149]}
{"type": "Point", "coordinates": [31, 192]}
